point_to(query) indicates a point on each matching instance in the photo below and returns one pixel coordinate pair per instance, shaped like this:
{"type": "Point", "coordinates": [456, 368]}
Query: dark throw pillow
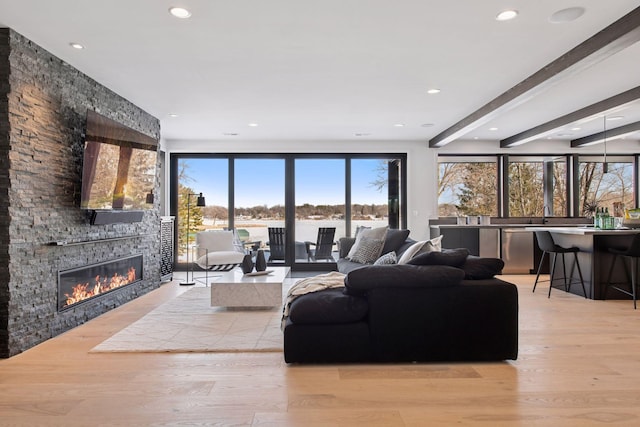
{"type": "Point", "coordinates": [393, 240]}
{"type": "Point", "coordinates": [450, 257]}
{"type": "Point", "coordinates": [478, 268]}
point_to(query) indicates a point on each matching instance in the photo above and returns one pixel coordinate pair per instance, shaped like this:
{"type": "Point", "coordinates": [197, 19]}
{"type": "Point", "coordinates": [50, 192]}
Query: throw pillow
{"type": "Point", "coordinates": [368, 250]}
{"type": "Point", "coordinates": [359, 228]}
{"type": "Point", "coordinates": [450, 257]}
{"type": "Point", "coordinates": [386, 259]}
{"type": "Point", "coordinates": [423, 246]}
{"type": "Point", "coordinates": [393, 240]}
{"type": "Point", "coordinates": [478, 268]}
{"type": "Point", "coordinates": [368, 233]}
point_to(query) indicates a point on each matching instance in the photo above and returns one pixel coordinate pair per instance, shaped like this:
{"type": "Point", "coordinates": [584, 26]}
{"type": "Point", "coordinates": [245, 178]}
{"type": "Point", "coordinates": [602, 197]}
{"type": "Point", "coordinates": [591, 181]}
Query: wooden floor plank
{"type": "Point", "coordinates": [579, 365]}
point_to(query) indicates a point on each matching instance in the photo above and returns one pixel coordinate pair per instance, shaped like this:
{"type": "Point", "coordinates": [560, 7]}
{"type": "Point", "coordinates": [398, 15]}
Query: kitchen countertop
{"type": "Point", "coordinates": [523, 226]}
{"type": "Point", "coordinates": [583, 231]}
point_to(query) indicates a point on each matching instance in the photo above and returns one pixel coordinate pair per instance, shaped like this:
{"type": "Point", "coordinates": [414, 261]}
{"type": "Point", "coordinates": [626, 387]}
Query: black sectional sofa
{"type": "Point", "coordinates": [443, 306]}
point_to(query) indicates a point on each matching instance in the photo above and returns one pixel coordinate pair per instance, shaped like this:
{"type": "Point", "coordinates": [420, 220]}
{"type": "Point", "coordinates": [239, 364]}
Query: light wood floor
{"type": "Point", "coordinates": [579, 365]}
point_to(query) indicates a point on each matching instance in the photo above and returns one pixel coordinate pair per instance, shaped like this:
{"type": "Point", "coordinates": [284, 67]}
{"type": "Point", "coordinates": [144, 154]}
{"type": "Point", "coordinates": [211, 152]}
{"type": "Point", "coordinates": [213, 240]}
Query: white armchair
{"type": "Point", "coordinates": [218, 250]}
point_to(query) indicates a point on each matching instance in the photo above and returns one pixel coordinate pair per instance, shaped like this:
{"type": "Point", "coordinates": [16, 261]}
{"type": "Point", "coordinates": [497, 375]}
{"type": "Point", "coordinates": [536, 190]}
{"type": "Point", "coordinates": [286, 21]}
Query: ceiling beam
{"type": "Point", "coordinates": [614, 38]}
{"type": "Point", "coordinates": [592, 110]}
{"type": "Point", "coordinates": [609, 134]}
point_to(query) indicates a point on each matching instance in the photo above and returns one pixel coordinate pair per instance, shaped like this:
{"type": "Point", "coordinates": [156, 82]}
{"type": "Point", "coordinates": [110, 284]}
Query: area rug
{"type": "Point", "coordinates": [188, 323]}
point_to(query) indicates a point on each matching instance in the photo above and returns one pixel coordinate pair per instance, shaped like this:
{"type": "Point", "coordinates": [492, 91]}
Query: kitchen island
{"type": "Point", "coordinates": [512, 242]}
{"type": "Point", "coordinates": [595, 260]}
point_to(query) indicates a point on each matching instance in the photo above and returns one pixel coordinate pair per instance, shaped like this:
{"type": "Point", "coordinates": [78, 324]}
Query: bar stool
{"type": "Point", "coordinates": [548, 246]}
{"type": "Point", "coordinates": [632, 253]}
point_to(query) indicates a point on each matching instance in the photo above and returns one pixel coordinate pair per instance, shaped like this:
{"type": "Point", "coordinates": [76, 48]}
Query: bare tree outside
{"type": "Point", "coordinates": [600, 190]}
{"type": "Point", "coordinates": [467, 188]}
{"type": "Point", "coordinates": [470, 188]}
{"type": "Point", "coordinates": [559, 189]}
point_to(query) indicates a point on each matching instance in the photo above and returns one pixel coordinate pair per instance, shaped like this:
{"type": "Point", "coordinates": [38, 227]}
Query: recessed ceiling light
{"type": "Point", "coordinates": [362, 134]}
{"type": "Point", "coordinates": [433, 91]}
{"type": "Point", "coordinates": [426, 125]}
{"type": "Point", "coordinates": [76, 45]}
{"type": "Point", "coordinates": [253, 125]}
{"type": "Point", "coordinates": [399, 125]}
{"type": "Point", "coordinates": [180, 12]}
{"type": "Point", "coordinates": [173, 115]}
{"type": "Point", "coordinates": [564, 135]}
{"type": "Point", "coordinates": [576, 128]}
{"type": "Point", "coordinates": [493, 128]}
{"type": "Point", "coordinates": [612, 118]}
{"type": "Point", "coordinates": [506, 15]}
{"type": "Point", "coordinates": [566, 15]}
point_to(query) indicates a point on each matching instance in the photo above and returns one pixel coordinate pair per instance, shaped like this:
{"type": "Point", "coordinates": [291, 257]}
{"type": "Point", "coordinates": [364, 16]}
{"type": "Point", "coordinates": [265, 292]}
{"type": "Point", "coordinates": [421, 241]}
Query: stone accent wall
{"type": "Point", "coordinates": [42, 121]}
{"type": "Point", "coordinates": [4, 196]}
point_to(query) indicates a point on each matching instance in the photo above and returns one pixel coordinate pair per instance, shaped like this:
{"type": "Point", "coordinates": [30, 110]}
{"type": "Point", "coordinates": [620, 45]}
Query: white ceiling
{"type": "Point", "coordinates": [331, 69]}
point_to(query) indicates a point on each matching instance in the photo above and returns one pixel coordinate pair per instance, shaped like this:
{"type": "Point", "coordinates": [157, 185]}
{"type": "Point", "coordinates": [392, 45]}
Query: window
{"type": "Point", "coordinates": [297, 191]}
{"type": "Point", "coordinates": [258, 198]}
{"type": "Point", "coordinates": [320, 200]}
{"type": "Point", "coordinates": [371, 192]}
{"type": "Point", "coordinates": [526, 187]}
{"type": "Point", "coordinates": [612, 190]}
{"type": "Point", "coordinates": [558, 205]}
{"type": "Point", "coordinates": [467, 187]}
{"type": "Point", "coordinates": [211, 178]}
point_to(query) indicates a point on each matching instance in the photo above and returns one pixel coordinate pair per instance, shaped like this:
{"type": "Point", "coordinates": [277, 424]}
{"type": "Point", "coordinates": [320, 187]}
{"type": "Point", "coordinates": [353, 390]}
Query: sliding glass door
{"type": "Point", "coordinates": [193, 176]}
{"type": "Point", "coordinates": [375, 193]}
{"type": "Point", "coordinates": [307, 202]}
{"type": "Point", "coordinates": [319, 208]}
{"type": "Point", "coordinates": [258, 200]}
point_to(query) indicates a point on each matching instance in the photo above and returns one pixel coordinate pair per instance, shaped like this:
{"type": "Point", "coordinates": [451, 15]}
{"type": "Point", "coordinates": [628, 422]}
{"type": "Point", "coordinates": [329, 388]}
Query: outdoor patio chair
{"type": "Point", "coordinates": [323, 245]}
{"type": "Point", "coordinates": [277, 239]}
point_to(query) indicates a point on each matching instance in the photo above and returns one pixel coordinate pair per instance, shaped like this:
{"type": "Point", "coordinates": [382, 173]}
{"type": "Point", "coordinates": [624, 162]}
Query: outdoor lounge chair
{"type": "Point", "coordinates": [323, 245]}
{"type": "Point", "coordinates": [277, 239]}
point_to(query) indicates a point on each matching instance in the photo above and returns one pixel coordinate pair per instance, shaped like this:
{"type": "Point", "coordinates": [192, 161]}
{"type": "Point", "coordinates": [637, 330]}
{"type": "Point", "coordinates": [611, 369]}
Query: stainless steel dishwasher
{"type": "Point", "coordinates": [517, 251]}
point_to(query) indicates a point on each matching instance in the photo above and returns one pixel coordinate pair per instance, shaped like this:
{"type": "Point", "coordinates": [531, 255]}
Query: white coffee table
{"type": "Point", "coordinates": [234, 289]}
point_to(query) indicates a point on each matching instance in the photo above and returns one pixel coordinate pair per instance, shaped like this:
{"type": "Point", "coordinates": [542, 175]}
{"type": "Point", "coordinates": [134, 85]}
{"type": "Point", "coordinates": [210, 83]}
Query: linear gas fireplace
{"type": "Point", "coordinates": [81, 284]}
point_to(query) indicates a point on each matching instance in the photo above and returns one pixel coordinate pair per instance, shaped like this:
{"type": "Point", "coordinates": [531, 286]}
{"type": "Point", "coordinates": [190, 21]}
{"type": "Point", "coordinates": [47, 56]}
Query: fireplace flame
{"type": "Point", "coordinates": [83, 291]}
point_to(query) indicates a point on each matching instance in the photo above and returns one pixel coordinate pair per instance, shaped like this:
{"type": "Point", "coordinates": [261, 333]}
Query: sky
{"type": "Point", "coordinates": [261, 181]}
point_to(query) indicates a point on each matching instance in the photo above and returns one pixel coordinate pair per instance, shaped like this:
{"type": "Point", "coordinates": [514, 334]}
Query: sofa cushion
{"type": "Point", "coordinates": [450, 257]}
{"type": "Point", "coordinates": [359, 228]}
{"type": "Point", "coordinates": [422, 246]}
{"type": "Point", "coordinates": [345, 265]}
{"type": "Point", "coordinates": [393, 240]}
{"type": "Point", "coordinates": [478, 268]}
{"type": "Point", "coordinates": [367, 251]}
{"type": "Point", "coordinates": [361, 280]}
{"type": "Point", "coordinates": [368, 245]}
{"type": "Point", "coordinates": [327, 307]}
{"type": "Point", "coordinates": [388, 258]}
{"type": "Point", "coordinates": [406, 245]}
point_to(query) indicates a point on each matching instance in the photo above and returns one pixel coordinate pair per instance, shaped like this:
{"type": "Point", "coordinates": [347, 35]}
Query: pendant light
{"type": "Point", "coordinates": [605, 166]}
